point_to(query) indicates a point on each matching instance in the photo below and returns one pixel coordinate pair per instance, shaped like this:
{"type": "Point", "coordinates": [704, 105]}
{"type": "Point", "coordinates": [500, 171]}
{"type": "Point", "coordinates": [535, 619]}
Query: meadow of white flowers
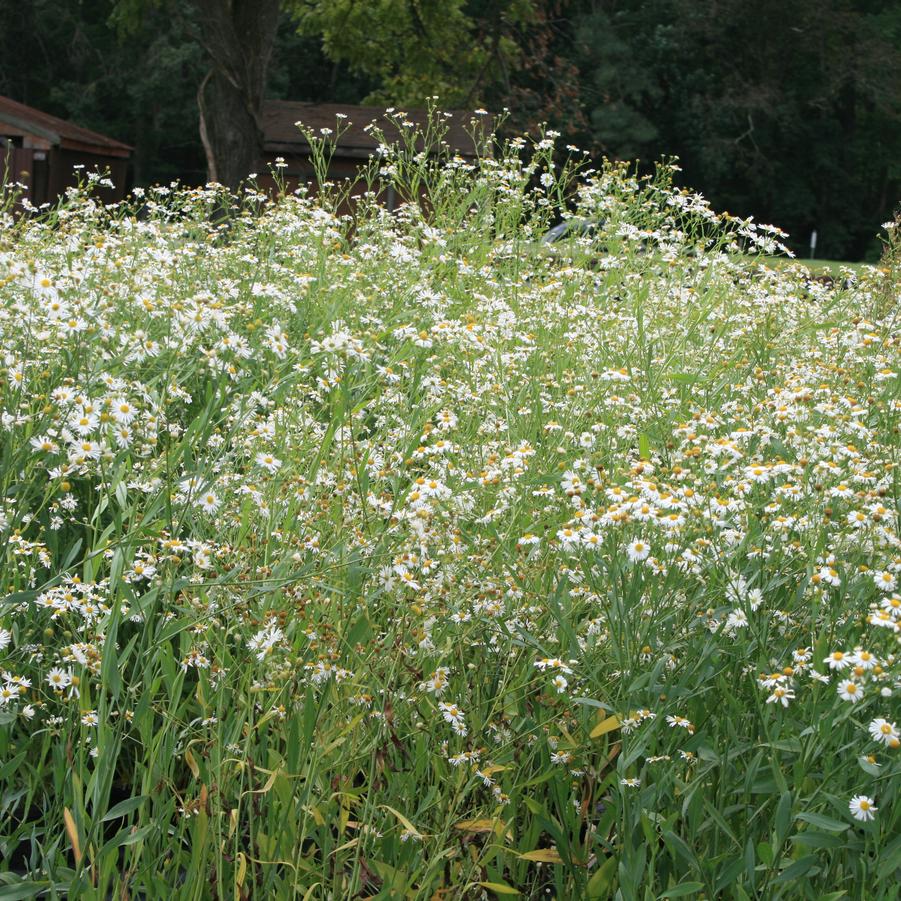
{"type": "Point", "coordinates": [396, 555]}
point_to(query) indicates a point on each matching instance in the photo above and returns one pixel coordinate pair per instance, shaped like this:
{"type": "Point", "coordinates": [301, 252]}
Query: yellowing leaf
{"type": "Point", "coordinates": [242, 870]}
{"type": "Point", "coordinates": [192, 764]}
{"type": "Point", "coordinates": [499, 888]}
{"type": "Point", "coordinates": [542, 855]}
{"type": "Point", "coordinates": [269, 782]}
{"type": "Point", "coordinates": [475, 825]}
{"type": "Point", "coordinates": [605, 726]}
{"type": "Point", "coordinates": [404, 821]}
{"type": "Point", "coordinates": [72, 831]}
{"type": "Point", "coordinates": [316, 815]}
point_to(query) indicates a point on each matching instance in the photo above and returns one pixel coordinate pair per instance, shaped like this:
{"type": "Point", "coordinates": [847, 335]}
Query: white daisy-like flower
{"type": "Point", "coordinates": [862, 808]}
{"type": "Point", "coordinates": [208, 501]}
{"type": "Point", "coordinates": [680, 721]}
{"type": "Point", "coordinates": [781, 695]}
{"type": "Point", "coordinates": [437, 683]}
{"type": "Point", "coordinates": [269, 462]}
{"type": "Point", "coordinates": [864, 659]}
{"type": "Point", "coordinates": [638, 550]}
{"type": "Point", "coordinates": [58, 678]}
{"type": "Point", "coordinates": [838, 660]}
{"type": "Point", "coordinates": [849, 690]}
{"type": "Point", "coordinates": [883, 731]}
{"type": "Point", "coordinates": [453, 715]}
{"type": "Point", "coordinates": [885, 581]}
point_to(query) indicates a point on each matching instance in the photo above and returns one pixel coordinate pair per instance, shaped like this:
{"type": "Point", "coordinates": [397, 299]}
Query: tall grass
{"type": "Point", "coordinates": [398, 556]}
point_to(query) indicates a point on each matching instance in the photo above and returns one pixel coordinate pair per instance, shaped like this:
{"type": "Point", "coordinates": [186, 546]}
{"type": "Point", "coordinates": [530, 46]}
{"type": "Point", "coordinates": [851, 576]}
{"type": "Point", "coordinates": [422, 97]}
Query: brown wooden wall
{"type": "Point", "coordinates": [47, 173]}
{"type": "Point", "coordinates": [299, 170]}
{"type": "Point", "coordinates": [29, 167]}
{"type": "Point", "coordinates": [63, 174]}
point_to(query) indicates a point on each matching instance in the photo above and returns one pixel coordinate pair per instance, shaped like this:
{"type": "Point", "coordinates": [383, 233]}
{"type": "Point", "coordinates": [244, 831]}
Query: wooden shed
{"type": "Point", "coordinates": [43, 151]}
{"type": "Point", "coordinates": [356, 145]}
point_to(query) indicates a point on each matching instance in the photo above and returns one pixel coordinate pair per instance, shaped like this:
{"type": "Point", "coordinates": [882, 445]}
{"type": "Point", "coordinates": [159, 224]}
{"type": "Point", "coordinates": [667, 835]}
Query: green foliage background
{"type": "Point", "coordinates": [790, 113]}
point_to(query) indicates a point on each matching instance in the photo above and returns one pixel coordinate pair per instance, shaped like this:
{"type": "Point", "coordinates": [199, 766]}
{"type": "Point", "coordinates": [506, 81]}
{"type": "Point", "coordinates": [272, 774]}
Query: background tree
{"type": "Point", "coordinates": [410, 48]}
{"type": "Point", "coordinates": [459, 50]}
{"type": "Point", "coordinates": [64, 57]}
{"type": "Point", "coordinates": [790, 113]}
{"type": "Point", "coordinates": [238, 37]}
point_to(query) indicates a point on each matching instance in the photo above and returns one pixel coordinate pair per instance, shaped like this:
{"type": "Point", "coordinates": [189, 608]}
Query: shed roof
{"type": "Point", "coordinates": [282, 135]}
{"type": "Point", "coordinates": [19, 119]}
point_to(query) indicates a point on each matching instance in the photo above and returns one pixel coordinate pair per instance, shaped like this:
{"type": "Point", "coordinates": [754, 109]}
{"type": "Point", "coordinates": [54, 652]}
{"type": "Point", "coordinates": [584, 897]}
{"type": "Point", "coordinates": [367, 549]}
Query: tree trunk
{"type": "Point", "coordinates": [238, 36]}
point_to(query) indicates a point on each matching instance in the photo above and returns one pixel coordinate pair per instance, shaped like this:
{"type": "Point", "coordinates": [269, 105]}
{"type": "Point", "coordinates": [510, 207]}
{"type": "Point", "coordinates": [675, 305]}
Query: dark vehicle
{"type": "Point", "coordinates": [575, 228]}
{"type": "Point", "coordinates": [569, 228]}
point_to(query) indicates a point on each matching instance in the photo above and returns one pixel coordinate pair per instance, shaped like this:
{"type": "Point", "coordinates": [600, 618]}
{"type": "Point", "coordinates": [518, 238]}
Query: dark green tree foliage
{"type": "Point", "coordinates": [238, 39]}
{"type": "Point", "coordinates": [319, 78]}
{"type": "Point", "coordinates": [788, 112]}
{"type": "Point", "coordinates": [64, 57]}
{"type": "Point", "coordinates": [133, 71]}
{"type": "Point", "coordinates": [463, 51]}
{"type": "Point", "coordinates": [542, 83]}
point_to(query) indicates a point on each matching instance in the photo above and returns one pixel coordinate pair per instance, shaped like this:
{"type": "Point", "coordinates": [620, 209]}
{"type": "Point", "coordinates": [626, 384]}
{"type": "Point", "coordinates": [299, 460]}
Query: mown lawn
{"type": "Point", "coordinates": [387, 558]}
